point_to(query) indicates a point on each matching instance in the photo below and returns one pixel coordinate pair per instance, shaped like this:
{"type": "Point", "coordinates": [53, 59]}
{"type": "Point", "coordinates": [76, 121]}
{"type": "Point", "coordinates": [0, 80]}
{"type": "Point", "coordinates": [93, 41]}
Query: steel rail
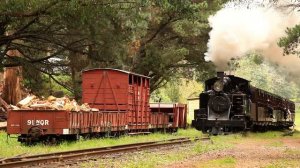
{"type": "Point", "coordinates": [67, 155]}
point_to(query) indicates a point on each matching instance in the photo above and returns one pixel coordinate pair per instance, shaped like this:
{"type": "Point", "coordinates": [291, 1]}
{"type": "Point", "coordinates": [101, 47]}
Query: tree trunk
{"type": "Point", "coordinates": [12, 92]}
{"type": "Point", "coordinates": [77, 63]}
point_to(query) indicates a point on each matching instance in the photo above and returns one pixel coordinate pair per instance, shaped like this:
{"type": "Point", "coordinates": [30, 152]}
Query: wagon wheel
{"type": "Point", "coordinates": [86, 136]}
{"type": "Point", "coordinates": [35, 132]}
{"type": "Point", "coordinates": [50, 141]}
{"type": "Point", "coordinates": [126, 132]}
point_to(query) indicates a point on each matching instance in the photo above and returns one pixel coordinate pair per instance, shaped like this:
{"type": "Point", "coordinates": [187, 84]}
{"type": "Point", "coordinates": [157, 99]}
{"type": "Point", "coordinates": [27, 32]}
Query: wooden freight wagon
{"type": "Point", "coordinates": [34, 125]}
{"type": "Point", "coordinates": [121, 92]}
{"type": "Point", "coordinates": [168, 115]}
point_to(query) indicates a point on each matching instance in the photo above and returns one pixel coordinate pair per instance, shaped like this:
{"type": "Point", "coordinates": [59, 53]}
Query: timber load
{"type": "Point", "coordinates": [32, 102]}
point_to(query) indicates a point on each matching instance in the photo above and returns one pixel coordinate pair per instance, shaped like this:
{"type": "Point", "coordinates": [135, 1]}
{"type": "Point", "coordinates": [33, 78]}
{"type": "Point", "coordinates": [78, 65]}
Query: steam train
{"type": "Point", "coordinates": [229, 103]}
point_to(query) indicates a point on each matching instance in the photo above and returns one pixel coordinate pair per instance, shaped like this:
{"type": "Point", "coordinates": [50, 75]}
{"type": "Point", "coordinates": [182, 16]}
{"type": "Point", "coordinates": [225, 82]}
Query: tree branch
{"type": "Point", "coordinates": [55, 80]}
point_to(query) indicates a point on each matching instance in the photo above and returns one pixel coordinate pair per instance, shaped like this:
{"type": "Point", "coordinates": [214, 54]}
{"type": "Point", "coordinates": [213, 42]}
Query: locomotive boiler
{"type": "Point", "coordinates": [230, 103]}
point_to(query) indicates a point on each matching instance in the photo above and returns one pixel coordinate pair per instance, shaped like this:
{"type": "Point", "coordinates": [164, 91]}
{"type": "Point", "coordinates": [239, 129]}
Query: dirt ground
{"type": "Point", "coordinates": [249, 153]}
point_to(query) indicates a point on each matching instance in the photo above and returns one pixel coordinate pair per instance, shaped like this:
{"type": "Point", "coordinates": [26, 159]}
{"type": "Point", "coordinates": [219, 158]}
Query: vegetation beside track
{"type": "Point", "coordinates": [271, 139]}
{"type": "Point", "coordinates": [148, 159]}
{"type": "Point", "coordinates": [185, 154]}
{"type": "Point", "coordinates": [14, 148]}
{"type": "Point", "coordinates": [20, 149]}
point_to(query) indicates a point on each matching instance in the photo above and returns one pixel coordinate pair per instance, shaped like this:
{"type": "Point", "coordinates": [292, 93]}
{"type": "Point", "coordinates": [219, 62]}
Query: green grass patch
{"type": "Point", "coordinates": [296, 134]}
{"type": "Point", "coordinates": [292, 151]}
{"type": "Point", "coordinates": [283, 163]}
{"type": "Point", "coordinates": [276, 144]}
{"type": "Point", "coordinates": [270, 135]}
{"type": "Point", "coordinates": [221, 162]}
{"type": "Point", "coordinates": [20, 149]}
{"type": "Point", "coordinates": [141, 160]}
{"type": "Point", "coordinates": [218, 143]}
{"type": "Point", "coordinates": [265, 135]}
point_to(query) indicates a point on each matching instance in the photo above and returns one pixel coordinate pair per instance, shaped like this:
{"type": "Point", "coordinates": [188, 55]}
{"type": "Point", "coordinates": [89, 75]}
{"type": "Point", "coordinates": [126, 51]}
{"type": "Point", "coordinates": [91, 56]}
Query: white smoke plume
{"type": "Point", "coordinates": [237, 31]}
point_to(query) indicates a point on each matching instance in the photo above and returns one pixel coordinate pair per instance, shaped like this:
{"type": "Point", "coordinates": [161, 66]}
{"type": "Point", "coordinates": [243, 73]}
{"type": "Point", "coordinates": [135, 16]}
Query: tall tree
{"type": "Point", "coordinates": [290, 42]}
{"type": "Point", "coordinates": [60, 37]}
{"type": "Point", "coordinates": [63, 37]}
{"type": "Point", "coordinates": [175, 41]}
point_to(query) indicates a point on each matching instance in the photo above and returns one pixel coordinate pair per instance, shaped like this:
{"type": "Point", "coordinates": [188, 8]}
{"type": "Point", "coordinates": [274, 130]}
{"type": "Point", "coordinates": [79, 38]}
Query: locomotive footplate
{"type": "Point", "coordinates": [220, 125]}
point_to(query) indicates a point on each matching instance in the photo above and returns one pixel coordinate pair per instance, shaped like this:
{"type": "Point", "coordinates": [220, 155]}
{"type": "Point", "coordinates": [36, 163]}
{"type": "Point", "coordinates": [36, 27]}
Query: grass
{"type": "Point", "coordinates": [13, 148]}
{"type": "Point", "coordinates": [283, 163]}
{"type": "Point", "coordinates": [148, 160]}
{"type": "Point", "coordinates": [265, 135]}
{"type": "Point", "coordinates": [221, 162]}
{"type": "Point", "coordinates": [276, 144]}
{"type": "Point", "coordinates": [292, 151]}
{"type": "Point", "coordinates": [20, 149]}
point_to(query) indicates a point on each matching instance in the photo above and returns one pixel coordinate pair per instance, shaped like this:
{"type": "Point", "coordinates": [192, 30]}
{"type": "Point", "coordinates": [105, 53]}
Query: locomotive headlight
{"type": "Point", "coordinates": [218, 86]}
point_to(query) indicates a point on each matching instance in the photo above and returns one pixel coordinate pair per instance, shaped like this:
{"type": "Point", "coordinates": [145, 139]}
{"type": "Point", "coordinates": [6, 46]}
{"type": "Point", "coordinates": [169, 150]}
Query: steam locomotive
{"type": "Point", "coordinates": [229, 103]}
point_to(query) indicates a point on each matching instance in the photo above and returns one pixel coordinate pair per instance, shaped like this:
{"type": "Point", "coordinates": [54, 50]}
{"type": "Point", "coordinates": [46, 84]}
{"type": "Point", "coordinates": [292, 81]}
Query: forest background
{"type": "Point", "coordinates": [47, 44]}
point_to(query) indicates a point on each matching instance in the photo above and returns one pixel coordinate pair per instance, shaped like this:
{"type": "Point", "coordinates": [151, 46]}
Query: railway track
{"type": "Point", "coordinates": [76, 154]}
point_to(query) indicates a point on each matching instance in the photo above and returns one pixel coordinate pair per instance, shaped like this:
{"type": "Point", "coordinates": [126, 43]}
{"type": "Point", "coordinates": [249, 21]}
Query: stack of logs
{"type": "Point", "coordinates": [31, 102]}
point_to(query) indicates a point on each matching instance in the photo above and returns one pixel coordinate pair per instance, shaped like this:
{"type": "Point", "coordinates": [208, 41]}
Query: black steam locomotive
{"type": "Point", "coordinates": [230, 103]}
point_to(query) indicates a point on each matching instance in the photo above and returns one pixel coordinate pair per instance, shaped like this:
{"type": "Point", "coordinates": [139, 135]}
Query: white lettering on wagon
{"type": "Point", "coordinates": [38, 122]}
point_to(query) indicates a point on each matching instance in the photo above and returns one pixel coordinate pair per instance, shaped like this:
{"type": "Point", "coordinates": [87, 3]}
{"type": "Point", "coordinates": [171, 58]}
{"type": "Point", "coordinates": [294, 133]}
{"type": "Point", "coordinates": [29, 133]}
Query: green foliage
{"type": "Point", "coordinates": [290, 43]}
{"type": "Point", "coordinates": [157, 38]}
{"type": "Point", "coordinates": [266, 76]}
{"type": "Point", "coordinates": [177, 91]}
{"type": "Point", "coordinates": [42, 85]}
{"type": "Point", "coordinates": [5, 147]}
{"type": "Point", "coordinates": [175, 41]}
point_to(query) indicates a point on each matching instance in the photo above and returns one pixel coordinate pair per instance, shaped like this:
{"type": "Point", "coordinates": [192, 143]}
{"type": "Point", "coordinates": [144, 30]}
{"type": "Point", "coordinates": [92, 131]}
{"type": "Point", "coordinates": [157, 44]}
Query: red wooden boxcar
{"type": "Point", "coordinates": [118, 91]}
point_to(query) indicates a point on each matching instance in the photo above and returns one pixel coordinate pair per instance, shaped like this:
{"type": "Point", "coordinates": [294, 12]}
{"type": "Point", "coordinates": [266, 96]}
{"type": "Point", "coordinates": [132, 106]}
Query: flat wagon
{"type": "Point", "coordinates": [52, 125]}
